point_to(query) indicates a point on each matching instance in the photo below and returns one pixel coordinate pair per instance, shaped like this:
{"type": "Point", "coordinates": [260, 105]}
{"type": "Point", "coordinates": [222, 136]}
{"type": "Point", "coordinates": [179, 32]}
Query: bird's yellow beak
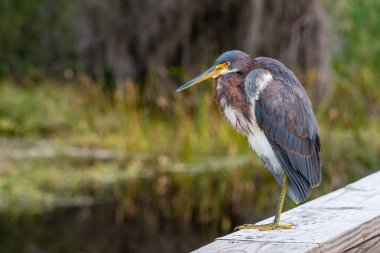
{"type": "Point", "coordinates": [214, 71]}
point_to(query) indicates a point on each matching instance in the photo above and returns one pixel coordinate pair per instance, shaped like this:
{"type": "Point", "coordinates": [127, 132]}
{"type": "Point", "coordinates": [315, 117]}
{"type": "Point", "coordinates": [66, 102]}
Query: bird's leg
{"type": "Point", "coordinates": [276, 222]}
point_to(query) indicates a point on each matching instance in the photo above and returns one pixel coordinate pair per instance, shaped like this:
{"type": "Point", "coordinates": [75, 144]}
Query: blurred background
{"type": "Point", "coordinates": [97, 152]}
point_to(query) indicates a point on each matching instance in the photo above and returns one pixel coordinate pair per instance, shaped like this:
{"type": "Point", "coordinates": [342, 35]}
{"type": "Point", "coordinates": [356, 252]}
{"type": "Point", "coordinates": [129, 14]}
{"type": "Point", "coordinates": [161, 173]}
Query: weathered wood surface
{"type": "Point", "coordinates": [372, 245]}
{"type": "Point", "coordinates": [346, 220]}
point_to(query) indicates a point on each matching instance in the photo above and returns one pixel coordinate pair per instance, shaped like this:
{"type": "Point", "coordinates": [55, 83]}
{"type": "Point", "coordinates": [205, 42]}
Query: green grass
{"type": "Point", "coordinates": [172, 155]}
{"type": "Point", "coordinates": [151, 143]}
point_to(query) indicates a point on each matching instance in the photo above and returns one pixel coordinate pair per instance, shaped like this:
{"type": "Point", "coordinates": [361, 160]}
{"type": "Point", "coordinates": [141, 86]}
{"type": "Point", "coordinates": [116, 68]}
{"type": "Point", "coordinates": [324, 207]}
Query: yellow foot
{"type": "Point", "coordinates": [264, 227]}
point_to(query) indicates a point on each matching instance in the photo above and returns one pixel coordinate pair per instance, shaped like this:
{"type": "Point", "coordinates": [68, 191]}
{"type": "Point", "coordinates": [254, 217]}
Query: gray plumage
{"type": "Point", "coordinates": [283, 112]}
{"type": "Point", "coordinates": [264, 101]}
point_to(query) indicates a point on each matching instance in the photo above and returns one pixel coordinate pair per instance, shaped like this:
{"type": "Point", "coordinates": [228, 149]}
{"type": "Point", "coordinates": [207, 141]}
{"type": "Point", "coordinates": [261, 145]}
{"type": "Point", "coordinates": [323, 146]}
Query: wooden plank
{"type": "Point", "coordinates": [372, 245]}
{"type": "Point", "coordinates": [236, 246]}
{"type": "Point", "coordinates": [336, 222]}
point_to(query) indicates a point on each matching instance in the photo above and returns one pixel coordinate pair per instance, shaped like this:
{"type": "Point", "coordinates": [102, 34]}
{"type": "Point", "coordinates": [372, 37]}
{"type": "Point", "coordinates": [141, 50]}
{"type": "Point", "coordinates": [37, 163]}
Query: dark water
{"type": "Point", "coordinates": [168, 212]}
{"type": "Point", "coordinates": [96, 229]}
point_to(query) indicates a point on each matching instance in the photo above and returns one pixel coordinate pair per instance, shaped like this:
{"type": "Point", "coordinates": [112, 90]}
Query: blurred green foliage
{"type": "Point", "coordinates": [37, 38]}
{"type": "Point", "coordinates": [354, 100]}
{"type": "Point", "coordinates": [152, 144]}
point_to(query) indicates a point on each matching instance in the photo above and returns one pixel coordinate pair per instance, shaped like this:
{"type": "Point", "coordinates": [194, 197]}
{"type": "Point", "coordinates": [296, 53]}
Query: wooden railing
{"type": "Point", "coordinates": [346, 220]}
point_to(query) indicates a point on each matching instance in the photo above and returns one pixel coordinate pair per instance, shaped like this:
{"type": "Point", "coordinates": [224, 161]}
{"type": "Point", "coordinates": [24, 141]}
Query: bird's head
{"type": "Point", "coordinates": [228, 62]}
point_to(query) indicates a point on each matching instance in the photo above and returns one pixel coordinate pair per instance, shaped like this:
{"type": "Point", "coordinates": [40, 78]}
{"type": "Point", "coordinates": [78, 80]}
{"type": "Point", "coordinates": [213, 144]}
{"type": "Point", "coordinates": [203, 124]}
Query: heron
{"type": "Point", "coordinates": [263, 100]}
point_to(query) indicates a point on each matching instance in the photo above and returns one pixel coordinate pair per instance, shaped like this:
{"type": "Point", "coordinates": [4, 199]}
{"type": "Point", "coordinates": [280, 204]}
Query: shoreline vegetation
{"type": "Point", "coordinates": [49, 130]}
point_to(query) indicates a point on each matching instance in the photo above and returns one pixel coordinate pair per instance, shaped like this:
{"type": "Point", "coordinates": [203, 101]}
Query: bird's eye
{"type": "Point", "coordinates": [227, 64]}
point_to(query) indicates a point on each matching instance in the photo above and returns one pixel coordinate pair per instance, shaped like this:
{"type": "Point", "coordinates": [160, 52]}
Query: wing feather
{"type": "Point", "coordinates": [283, 111]}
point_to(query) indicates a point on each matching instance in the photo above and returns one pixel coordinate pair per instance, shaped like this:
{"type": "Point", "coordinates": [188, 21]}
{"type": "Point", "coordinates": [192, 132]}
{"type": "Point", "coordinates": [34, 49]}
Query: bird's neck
{"type": "Point", "coordinates": [230, 95]}
{"type": "Point", "coordinates": [229, 89]}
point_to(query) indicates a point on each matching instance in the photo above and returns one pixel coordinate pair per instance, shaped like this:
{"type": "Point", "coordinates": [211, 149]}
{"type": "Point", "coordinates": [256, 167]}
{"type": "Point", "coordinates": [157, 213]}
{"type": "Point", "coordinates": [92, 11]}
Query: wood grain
{"type": "Point", "coordinates": [372, 245]}
{"type": "Point", "coordinates": [345, 220]}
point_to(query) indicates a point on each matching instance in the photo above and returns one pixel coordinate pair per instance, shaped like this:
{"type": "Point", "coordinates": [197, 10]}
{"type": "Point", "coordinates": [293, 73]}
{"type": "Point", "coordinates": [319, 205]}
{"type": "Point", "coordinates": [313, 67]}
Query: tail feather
{"type": "Point", "coordinates": [298, 190]}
